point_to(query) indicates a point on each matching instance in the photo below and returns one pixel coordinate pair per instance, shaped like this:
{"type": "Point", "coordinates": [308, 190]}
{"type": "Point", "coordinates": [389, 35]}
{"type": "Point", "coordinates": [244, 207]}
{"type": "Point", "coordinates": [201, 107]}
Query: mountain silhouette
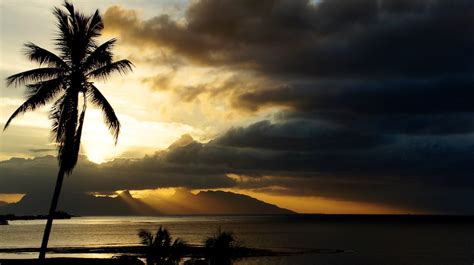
{"type": "Point", "coordinates": [216, 202]}
{"type": "Point", "coordinates": [82, 204]}
{"type": "Point", "coordinates": [182, 202]}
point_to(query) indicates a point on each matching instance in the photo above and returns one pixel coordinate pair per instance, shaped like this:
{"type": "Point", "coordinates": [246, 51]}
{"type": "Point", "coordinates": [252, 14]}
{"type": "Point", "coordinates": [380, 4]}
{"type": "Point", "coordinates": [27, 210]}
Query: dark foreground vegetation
{"type": "Point", "coordinates": [160, 248]}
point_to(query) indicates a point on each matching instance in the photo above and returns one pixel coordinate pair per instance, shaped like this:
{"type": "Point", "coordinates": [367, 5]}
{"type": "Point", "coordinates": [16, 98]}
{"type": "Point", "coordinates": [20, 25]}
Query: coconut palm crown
{"type": "Point", "coordinates": [64, 77]}
{"type": "Point", "coordinates": [66, 80]}
{"type": "Point", "coordinates": [161, 249]}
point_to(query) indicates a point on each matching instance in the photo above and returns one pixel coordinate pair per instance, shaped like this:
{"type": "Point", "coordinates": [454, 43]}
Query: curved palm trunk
{"type": "Point", "coordinates": [52, 211]}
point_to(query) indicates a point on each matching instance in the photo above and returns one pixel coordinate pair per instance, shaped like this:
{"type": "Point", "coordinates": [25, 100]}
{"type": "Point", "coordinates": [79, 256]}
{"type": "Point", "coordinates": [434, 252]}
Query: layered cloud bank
{"type": "Point", "coordinates": [366, 101]}
{"type": "Point", "coordinates": [379, 69]}
{"type": "Point", "coordinates": [373, 98]}
{"type": "Point", "coordinates": [406, 175]}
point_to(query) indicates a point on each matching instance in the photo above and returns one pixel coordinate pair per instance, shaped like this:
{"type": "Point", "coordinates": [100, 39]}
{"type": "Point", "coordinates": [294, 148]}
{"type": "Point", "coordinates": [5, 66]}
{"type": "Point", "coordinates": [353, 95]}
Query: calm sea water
{"type": "Point", "coordinates": [367, 243]}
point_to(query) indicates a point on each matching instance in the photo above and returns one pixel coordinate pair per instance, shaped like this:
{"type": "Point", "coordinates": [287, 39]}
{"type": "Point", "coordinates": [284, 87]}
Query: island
{"type": "Point", "coordinates": [11, 217]}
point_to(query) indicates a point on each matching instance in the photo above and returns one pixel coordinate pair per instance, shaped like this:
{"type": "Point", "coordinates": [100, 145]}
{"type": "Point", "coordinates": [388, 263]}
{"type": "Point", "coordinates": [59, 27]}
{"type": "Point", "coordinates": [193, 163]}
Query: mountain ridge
{"type": "Point", "coordinates": [182, 202]}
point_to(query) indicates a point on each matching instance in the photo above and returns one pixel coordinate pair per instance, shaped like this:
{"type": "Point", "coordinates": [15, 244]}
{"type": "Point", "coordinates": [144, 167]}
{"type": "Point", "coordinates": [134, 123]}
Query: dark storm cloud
{"type": "Point", "coordinates": [38, 175]}
{"type": "Point", "coordinates": [370, 97]}
{"type": "Point", "coordinates": [424, 158]}
{"type": "Point", "coordinates": [336, 38]}
{"type": "Point", "coordinates": [430, 173]}
{"type": "Point", "coordinates": [300, 135]}
{"type": "Point", "coordinates": [440, 106]}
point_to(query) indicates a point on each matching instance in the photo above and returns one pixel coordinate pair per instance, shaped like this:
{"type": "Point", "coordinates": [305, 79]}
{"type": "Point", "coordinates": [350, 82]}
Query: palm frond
{"type": "Point", "coordinates": [84, 40]}
{"type": "Point", "coordinates": [70, 8]}
{"type": "Point", "coordinates": [68, 121]}
{"type": "Point", "coordinates": [95, 25]}
{"type": "Point", "coordinates": [146, 237]}
{"type": "Point", "coordinates": [45, 92]}
{"type": "Point", "coordinates": [179, 243]}
{"type": "Point", "coordinates": [72, 17]}
{"type": "Point", "coordinates": [55, 116]}
{"type": "Point", "coordinates": [122, 67]}
{"type": "Point", "coordinates": [72, 39]}
{"type": "Point", "coordinates": [177, 251]}
{"type": "Point", "coordinates": [43, 56]}
{"type": "Point", "coordinates": [101, 56]}
{"type": "Point", "coordinates": [109, 114]}
{"type": "Point", "coordinates": [34, 87]}
{"type": "Point", "coordinates": [62, 118]}
{"type": "Point", "coordinates": [64, 39]}
{"type": "Point", "coordinates": [209, 242]}
{"type": "Point", "coordinates": [78, 135]}
{"type": "Point", "coordinates": [35, 75]}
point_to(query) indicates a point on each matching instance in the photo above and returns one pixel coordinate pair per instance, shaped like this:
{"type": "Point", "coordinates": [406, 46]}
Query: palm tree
{"type": "Point", "coordinates": [160, 250]}
{"type": "Point", "coordinates": [220, 248]}
{"type": "Point", "coordinates": [63, 79]}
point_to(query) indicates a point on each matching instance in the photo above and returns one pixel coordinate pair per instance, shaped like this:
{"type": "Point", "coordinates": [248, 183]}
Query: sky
{"type": "Point", "coordinates": [325, 106]}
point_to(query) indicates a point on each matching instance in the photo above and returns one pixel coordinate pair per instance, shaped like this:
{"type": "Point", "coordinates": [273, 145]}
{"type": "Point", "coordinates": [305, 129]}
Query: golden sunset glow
{"type": "Point", "coordinates": [11, 198]}
{"type": "Point", "coordinates": [306, 204]}
{"type": "Point", "coordinates": [282, 101]}
{"type": "Point", "coordinates": [99, 146]}
{"type": "Point", "coordinates": [161, 193]}
{"type": "Point", "coordinates": [311, 204]}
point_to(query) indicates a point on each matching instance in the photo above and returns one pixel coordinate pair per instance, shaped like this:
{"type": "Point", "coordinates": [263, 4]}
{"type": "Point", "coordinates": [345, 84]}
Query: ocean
{"type": "Point", "coordinates": [376, 242]}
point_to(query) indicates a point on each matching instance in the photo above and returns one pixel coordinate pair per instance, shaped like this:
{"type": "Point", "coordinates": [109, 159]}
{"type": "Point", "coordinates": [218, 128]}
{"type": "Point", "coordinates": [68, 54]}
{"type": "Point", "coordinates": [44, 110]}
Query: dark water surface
{"type": "Point", "coordinates": [366, 242]}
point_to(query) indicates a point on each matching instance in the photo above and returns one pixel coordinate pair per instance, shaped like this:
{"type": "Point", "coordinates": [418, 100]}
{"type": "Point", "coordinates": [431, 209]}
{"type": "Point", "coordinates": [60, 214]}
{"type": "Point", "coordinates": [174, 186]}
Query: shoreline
{"type": "Point", "coordinates": [13, 217]}
{"type": "Point", "coordinates": [192, 251]}
{"type": "Point", "coordinates": [72, 261]}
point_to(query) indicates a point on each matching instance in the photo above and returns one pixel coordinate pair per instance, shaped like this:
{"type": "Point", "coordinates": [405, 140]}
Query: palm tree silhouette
{"type": "Point", "coordinates": [160, 250]}
{"type": "Point", "coordinates": [63, 79]}
{"type": "Point", "coordinates": [221, 248]}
